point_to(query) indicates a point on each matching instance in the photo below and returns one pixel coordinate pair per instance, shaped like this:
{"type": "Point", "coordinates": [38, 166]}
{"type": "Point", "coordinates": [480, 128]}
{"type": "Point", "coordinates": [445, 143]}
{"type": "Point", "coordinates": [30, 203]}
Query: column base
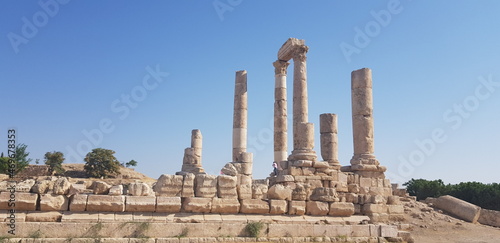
{"type": "Point", "coordinates": [303, 154]}
{"type": "Point", "coordinates": [364, 159]}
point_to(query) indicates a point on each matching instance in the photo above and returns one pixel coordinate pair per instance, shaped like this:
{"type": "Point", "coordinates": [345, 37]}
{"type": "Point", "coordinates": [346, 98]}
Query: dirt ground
{"type": "Point", "coordinates": [430, 225]}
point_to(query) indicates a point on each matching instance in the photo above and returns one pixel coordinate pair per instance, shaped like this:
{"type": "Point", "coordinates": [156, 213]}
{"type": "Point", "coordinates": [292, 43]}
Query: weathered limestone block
{"type": "Point", "coordinates": [169, 185]}
{"type": "Point", "coordinates": [259, 191]}
{"type": "Point", "coordinates": [278, 206]}
{"type": "Point", "coordinates": [321, 164]}
{"type": "Point", "coordinates": [53, 202]}
{"type": "Point", "coordinates": [300, 192]}
{"type": "Point", "coordinates": [395, 209]}
{"type": "Point", "coordinates": [351, 197]}
{"type": "Point", "coordinates": [302, 163]}
{"type": "Point", "coordinates": [43, 186]}
{"type": "Point", "coordinates": [296, 207]}
{"type": "Point", "coordinates": [279, 192]}
{"type": "Point", "coordinates": [462, 209]}
{"type": "Point", "coordinates": [354, 188]}
{"type": "Point", "coordinates": [243, 168]}
{"type": "Point", "coordinates": [317, 208]}
{"type": "Point", "coordinates": [370, 208]}
{"type": "Point", "coordinates": [188, 185]}
{"type": "Point", "coordinates": [105, 203]}
{"type": "Point", "coordinates": [44, 217]}
{"type": "Point", "coordinates": [101, 187]}
{"type": "Point", "coordinates": [254, 206]}
{"type": "Point", "coordinates": [76, 189]}
{"type": "Point", "coordinates": [244, 191]}
{"type": "Point", "coordinates": [324, 194]}
{"type": "Point", "coordinates": [25, 186]}
{"type": "Point", "coordinates": [227, 189]}
{"type": "Point", "coordinates": [489, 217]}
{"type": "Point", "coordinates": [197, 205]}
{"type": "Point", "coordinates": [229, 169]}
{"type": "Point", "coordinates": [285, 178]}
{"type": "Point", "coordinates": [308, 171]}
{"type": "Point", "coordinates": [245, 157]}
{"type": "Point", "coordinates": [140, 203]}
{"type": "Point", "coordinates": [244, 179]}
{"type": "Point", "coordinates": [78, 203]}
{"type": "Point", "coordinates": [61, 186]}
{"type": "Point", "coordinates": [225, 205]}
{"type": "Point", "coordinates": [168, 204]}
{"type": "Point", "coordinates": [139, 189]}
{"type": "Point", "coordinates": [24, 201]}
{"type": "Point", "coordinates": [116, 190]}
{"type": "Point", "coordinates": [342, 209]}
{"type": "Point", "coordinates": [206, 186]}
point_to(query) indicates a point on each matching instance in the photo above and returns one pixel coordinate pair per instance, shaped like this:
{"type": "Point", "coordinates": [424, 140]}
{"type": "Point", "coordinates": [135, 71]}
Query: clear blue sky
{"type": "Point", "coordinates": [67, 67]}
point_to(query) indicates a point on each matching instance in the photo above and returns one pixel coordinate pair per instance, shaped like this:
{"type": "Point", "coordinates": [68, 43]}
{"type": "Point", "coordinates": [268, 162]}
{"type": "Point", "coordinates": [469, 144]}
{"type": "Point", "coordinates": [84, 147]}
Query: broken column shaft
{"type": "Point", "coordinates": [280, 112]}
{"type": "Point", "coordinates": [329, 139]}
{"type": "Point", "coordinates": [240, 114]}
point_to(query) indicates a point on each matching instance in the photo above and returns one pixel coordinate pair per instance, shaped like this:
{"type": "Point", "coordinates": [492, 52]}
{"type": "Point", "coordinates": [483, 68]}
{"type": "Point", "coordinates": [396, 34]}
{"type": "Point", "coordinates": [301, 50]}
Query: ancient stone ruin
{"type": "Point", "coordinates": [304, 185]}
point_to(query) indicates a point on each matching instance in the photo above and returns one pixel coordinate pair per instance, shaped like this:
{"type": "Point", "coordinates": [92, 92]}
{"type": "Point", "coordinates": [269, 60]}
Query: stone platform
{"type": "Point", "coordinates": [164, 227]}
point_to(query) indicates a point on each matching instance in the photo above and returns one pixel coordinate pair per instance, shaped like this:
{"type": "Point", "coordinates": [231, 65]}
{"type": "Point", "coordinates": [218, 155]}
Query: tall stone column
{"type": "Point", "coordinates": [280, 112]}
{"type": "Point", "coordinates": [362, 124]}
{"type": "Point", "coordinates": [329, 139]}
{"type": "Point", "coordinates": [303, 132]}
{"type": "Point", "coordinates": [240, 114]}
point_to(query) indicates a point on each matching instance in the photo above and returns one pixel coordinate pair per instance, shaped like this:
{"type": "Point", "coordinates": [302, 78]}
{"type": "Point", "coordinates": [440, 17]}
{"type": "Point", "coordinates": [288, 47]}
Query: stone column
{"type": "Point", "coordinates": [329, 139]}
{"type": "Point", "coordinates": [191, 162]}
{"type": "Point", "coordinates": [303, 132]}
{"type": "Point", "coordinates": [280, 112]}
{"type": "Point", "coordinates": [240, 115]}
{"type": "Point", "coordinates": [362, 123]}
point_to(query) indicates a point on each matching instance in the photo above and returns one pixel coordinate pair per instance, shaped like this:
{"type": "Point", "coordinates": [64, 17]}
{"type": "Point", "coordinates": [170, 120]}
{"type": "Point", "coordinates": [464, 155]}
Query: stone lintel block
{"type": "Point", "coordinates": [105, 203]}
{"type": "Point", "coordinates": [168, 204]}
{"type": "Point", "coordinates": [140, 203]}
{"type": "Point", "coordinates": [225, 205]}
{"type": "Point", "coordinates": [278, 206]}
{"type": "Point", "coordinates": [288, 49]}
{"type": "Point", "coordinates": [317, 208]}
{"type": "Point", "coordinates": [342, 209]}
{"type": "Point", "coordinates": [254, 206]}
{"type": "Point", "coordinates": [78, 203]}
{"type": "Point", "coordinates": [197, 205]}
{"type": "Point", "coordinates": [24, 201]}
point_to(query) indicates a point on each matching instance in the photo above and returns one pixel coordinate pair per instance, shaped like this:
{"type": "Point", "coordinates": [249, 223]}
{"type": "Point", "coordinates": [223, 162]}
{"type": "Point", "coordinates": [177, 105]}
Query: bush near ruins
{"type": "Point", "coordinates": [101, 163]}
{"type": "Point", "coordinates": [21, 160]}
{"type": "Point", "coordinates": [54, 160]}
{"type": "Point", "coordinates": [483, 195]}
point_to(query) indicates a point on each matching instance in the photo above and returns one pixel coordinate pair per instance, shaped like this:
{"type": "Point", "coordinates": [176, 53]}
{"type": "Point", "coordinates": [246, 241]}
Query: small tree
{"type": "Point", "coordinates": [54, 160]}
{"type": "Point", "coordinates": [20, 159]}
{"type": "Point", "coordinates": [131, 163]}
{"type": "Point", "coordinates": [101, 163]}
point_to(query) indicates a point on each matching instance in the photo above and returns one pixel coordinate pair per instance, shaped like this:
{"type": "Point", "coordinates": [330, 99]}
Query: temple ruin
{"type": "Point", "coordinates": [304, 185]}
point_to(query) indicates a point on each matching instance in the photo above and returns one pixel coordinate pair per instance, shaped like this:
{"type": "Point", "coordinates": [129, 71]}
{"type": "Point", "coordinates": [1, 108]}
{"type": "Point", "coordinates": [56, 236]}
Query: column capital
{"type": "Point", "coordinates": [300, 53]}
{"type": "Point", "coordinates": [280, 67]}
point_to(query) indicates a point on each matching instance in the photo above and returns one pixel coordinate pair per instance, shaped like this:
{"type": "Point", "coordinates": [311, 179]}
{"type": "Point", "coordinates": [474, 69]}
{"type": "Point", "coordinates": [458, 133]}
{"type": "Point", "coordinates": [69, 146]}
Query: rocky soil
{"type": "Point", "coordinates": [430, 225]}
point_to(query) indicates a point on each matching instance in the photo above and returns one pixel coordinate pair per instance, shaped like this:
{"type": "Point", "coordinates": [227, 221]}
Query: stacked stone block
{"type": "Point", "coordinates": [191, 162]}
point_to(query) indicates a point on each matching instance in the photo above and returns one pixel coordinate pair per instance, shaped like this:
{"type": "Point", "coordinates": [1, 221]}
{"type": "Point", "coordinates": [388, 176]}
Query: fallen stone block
{"type": "Point", "coordinates": [459, 208]}
{"type": "Point", "coordinates": [53, 202]}
{"type": "Point", "coordinates": [489, 217]}
{"type": "Point", "coordinates": [254, 206]}
{"type": "Point", "coordinates": [225, 205]}
{"type": "Point", "coordinates": [279, 192]}
{"type": "Point", "coordinates": [371, 208]}
{"type": "Point", "coordinates": [259, 191]}
{"type": "Point", "coordinates": [244, 191]}
{"type": "Point", "coordinates": [188, 185]}
{"type": "Point", "coordinates": [206, 186]}
{"type": "Point", "coordinates": [140, 203]}
{"type": "Point", "coordinates": [116, 190]}
{"type": "Point", "coordinates": [105, 203]}
{"type": "Point", "coordinates": [101, 187]}
{"type": "Point", "coordinates": [197, 205]}
{"type": "Point", "coordinates": [168, 204]}
{"type": "Point", "coordinates": [61, 186]}
{"type": "Point", "coordinates": [139, 189]}
{"type": "Point", "coordinates": [24, 201]}
{"type": "Point", "coordinates": [43, 186]}
{"type": "Point", "coordinates": [324, 194]}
